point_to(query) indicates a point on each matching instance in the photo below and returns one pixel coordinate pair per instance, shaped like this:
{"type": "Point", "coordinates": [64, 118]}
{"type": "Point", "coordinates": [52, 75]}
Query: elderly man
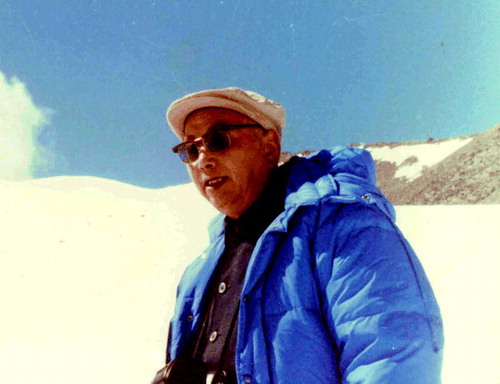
{"type": "Point", "coordinates": [307, 279]}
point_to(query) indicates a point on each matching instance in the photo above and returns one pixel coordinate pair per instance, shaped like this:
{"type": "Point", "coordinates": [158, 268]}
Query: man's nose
{"type": "Point", "coordinates": [205, 158]}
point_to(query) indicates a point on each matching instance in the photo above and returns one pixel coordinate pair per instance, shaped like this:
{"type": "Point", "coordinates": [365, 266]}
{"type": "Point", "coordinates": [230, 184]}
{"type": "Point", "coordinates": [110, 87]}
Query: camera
{"type": "Point", "coordinates": [182, 371]}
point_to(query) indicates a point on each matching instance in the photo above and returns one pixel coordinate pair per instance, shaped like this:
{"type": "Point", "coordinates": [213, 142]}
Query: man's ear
{"type": "Point", "coordinates": [272, 146]}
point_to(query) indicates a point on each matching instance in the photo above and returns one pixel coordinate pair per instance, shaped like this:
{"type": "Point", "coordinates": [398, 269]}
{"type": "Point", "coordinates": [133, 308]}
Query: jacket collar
{"type": "Point", "coordinates": [341, 174]}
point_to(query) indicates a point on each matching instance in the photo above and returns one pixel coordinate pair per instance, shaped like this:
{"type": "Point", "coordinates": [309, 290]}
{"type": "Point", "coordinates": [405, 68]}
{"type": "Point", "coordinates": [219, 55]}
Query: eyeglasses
{"type": "Point", "coordinates": [216, 140]}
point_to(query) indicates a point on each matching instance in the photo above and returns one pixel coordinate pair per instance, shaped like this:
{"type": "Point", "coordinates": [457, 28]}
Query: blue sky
{"type": "Point", "coordinates": [103, 72]}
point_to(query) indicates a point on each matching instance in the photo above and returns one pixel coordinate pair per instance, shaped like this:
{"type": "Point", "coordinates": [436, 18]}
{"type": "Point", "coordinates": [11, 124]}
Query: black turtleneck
{"type": "Point", "coordinates": [223, 296]}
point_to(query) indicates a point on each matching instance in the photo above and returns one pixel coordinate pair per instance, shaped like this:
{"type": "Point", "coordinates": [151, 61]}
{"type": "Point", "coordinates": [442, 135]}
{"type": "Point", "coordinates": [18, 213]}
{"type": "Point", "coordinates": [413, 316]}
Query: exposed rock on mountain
{"type": "Point", "coordinates": [463, 170]}
{"type": "Point", "coordinates": [470, 175]}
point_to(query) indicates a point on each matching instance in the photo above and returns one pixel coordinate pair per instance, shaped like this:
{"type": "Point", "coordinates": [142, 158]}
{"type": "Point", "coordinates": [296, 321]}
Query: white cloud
{"type": "Point", "coordinates": [20, 123]}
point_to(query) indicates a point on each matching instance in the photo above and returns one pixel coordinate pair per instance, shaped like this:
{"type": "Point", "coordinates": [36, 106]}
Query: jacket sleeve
{"type": "Point", "coordinates": [377, 301]}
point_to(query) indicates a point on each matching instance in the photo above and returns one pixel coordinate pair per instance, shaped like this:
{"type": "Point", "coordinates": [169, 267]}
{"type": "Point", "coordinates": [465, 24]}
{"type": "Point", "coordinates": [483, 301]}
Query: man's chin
{"type": "Point", "coordinates": [217, 202]}
{"type": "Point", "coordinates": [224, 207]}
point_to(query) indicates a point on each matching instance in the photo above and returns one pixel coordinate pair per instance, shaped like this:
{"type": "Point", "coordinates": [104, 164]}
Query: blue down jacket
{"type": "Point", "coordinates": [333, 292]}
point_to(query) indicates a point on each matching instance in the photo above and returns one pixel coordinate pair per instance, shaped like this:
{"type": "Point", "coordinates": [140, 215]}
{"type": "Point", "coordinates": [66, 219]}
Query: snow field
{"type": "Point", "coordinates": [88, 278]}
{"type": "Point", "coordinates": [459, 247]}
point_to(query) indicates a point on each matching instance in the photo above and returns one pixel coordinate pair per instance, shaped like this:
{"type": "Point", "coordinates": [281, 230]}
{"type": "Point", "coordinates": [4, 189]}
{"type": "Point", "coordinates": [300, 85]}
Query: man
{"type": "Point", "coordinates": [306, 279]}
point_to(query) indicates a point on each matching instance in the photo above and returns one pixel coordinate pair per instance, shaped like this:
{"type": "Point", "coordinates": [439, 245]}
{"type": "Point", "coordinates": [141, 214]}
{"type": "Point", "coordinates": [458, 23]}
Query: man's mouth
{"type": "Point", "coordinates": [215, 182]}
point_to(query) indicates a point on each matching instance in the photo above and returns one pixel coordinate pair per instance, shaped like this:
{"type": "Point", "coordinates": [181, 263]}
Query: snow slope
{"type": "Point", "coordinates": [88, 270]}
{"type": "Point", "coordinates": [411, 160]}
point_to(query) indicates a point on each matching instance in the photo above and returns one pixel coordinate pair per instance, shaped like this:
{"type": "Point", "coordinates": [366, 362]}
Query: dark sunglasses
{"type": "Point", "coordinates": [215, 140]}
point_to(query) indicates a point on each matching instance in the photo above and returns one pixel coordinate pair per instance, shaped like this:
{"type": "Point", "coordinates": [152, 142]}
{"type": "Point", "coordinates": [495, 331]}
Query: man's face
{"type": "Point", "coordinates": [231, 180]}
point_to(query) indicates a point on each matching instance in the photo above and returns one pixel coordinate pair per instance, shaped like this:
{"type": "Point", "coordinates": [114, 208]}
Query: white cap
{"type": "Point", "coordinates": [267, 113]}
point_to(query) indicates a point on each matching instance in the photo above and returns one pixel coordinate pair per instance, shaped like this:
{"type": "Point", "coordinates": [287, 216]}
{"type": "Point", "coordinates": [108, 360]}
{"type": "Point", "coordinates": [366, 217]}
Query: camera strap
{"type": "Point", "coordinates": [220, 375]}
{"type": "Point", "coordinates": [197, 352]}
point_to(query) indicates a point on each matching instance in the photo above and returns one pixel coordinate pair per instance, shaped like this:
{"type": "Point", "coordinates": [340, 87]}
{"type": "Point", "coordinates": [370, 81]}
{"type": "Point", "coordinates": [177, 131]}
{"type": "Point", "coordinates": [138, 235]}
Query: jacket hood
{"type": "Point", "coordinates": [339, 172]}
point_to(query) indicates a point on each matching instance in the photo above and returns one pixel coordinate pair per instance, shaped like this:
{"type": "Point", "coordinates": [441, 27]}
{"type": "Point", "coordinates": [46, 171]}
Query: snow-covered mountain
{"type": "Point", "coordinates": [462, 170]}
{"type": "Point", "coordinates": [89, 268]}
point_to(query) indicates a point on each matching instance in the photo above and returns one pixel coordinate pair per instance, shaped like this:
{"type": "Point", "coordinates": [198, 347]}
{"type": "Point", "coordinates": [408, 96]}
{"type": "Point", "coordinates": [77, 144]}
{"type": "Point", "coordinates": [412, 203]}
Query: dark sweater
{"type": "Point", "coordinates": [222, 299]}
